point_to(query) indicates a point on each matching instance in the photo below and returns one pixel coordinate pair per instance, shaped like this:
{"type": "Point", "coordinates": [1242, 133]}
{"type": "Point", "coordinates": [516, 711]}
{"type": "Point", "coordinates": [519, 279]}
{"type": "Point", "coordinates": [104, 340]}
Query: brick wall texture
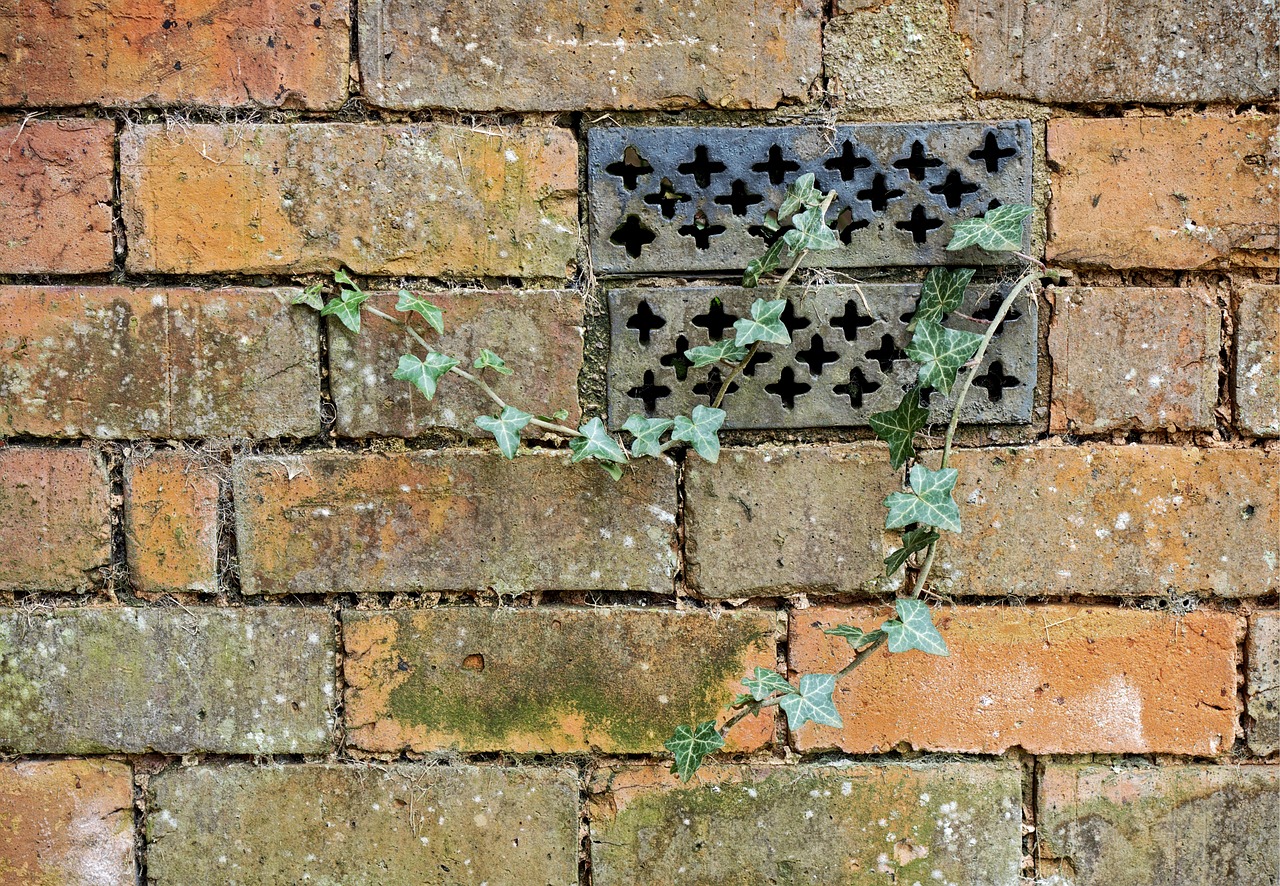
{"type": "Point", "coordinates": [268, 616]}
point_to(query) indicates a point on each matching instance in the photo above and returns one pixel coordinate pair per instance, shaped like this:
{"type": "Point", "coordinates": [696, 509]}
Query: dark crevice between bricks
{"type": "Point", "coordinates": [585, 768]}
{"type": "Point", "coordinates": [115, 580]}
{"type": "Point", "coordinates": [121, 241]}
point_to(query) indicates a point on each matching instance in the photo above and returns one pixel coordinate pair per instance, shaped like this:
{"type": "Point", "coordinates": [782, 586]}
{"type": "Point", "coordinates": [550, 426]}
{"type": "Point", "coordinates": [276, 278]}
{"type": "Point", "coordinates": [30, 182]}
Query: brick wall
{"type": "Point", "coordinates": [266, 618]}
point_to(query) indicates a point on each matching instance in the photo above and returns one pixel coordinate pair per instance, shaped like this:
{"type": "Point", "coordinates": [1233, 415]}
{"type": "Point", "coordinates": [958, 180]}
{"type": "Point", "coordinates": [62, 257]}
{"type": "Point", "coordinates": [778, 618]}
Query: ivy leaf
{"type": "Point", "coordinates": [809, 231]}
{"type": "Point", "coordinates": [489, 360]}
{"type": "Point", "coordinates": [765, 264]}
{"type": "Point", "coordinates": [941, 352]}
{"type": "Point", "coordinates": [941, 293]}
{"type": "Point", "coordinates": [725, 349]}
{"type": "Point", "coordinates": [423, 374]}
{"type": "Point", "coordinates": [703, 431]}
{"type": "Point", "coordinates": [929, 501]}
{"type": "Point", "coordinates": [812, 703]}
{"type": "Point", "coordinates": [613, 470]}
{"type": "Point", "coordinates": [311, 297]}
{"type": "Point", "coordinates": [801, 195]}
{"type": "Point", "coordinates": [506, 428]}
{"type": "Point", "coordinates": [913, 629]}
{"type": "Point", "coordinates": [419, 305]}
{"type": "Point", "coordinates": [648, 434]}
{"type": "Point", "coordinates": [691, 745]}
{"type": "Point", "coordinates": [346, 307]}
{"type": "Point", "coordinates": [596, 443]}
{"type": "Point", "coordinates": [560, 415]}
{"type": "Point", "coordinates": [764, 683]}
{"type": "Point", "coordinates": [856, 636]}
{"type": "Point", "coordinates": [1000, 230]}
{"type": "Point", "coordinates": [898, 426]}
{"type": "Point", "coordinates": [764, 324]}
{"type": "Point", "coordinates": [343, 279]}
{"type": "Point", "coordinates": [913, 540]}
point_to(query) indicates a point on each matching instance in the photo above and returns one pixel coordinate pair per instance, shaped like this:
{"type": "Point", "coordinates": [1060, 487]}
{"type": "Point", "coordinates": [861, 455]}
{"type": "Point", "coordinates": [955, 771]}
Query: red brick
{"type": "Point", "coordinates": [148, 52]}
{"type": "Point", "coordinates": [170, 520]}
{"type": "Point", "coordinates": [1165, 192]}
{"type": "Point", "coordinates": [113, 362]}
{"type": "Point", "coordinates": [55, 195]}
{"type": "Point", "coordinates": [538, 334]}
{"type": "Point", "coordinates": [529, 55]}
{"type": "Point", "coordinates": [66, 821]}
{"type": "Point", "coordinates": [1258, 360]}
{"type": "Point", "coordinates": [55, 533]}
{"type": "Point", "coordinates": [1048, 679]}
{"type": "Point", "coordinates": [1131, 358]}
{"type": "Point", "coordinates": [451, 201]}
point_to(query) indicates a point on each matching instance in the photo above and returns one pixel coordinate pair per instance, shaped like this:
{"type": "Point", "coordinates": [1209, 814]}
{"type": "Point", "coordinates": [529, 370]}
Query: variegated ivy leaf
{"type": "Point", "coordinates": [941, 352]}
{"type": "Point", "coordinates": [929, 502]}
{"type": "Point", "coordinates": [809, 231]}
{"type": "Point", "coordinates": [1000, 230]}
{"type": "Point", "coordinates": [648, 434]}
{"type": "Point", "coordinates": [489, 360]}
{"type": "Point", "coordinates": [346, 307]}
{"type": "Point", "coordinates": [423, 374]}
{"type": "Point", "coordinates": [702, 430]}
{"type": "Point", "coordinates": [801, 195]}
{"type": "Point", "coordinates": [312, 297]}
{"type": "Point", "coordinates": [856, 636]}
{"type": "Point", "coordinates": [914, 629]}
{"type": "Point", "coordinates": [506, 428]}
{"type": "Point", "coordinates": [691, 745]}
{"type": "Point", "coordinates": [941, 293]}
{"type": "Point", "coordinates": [342, 278]}
{"type": "Point", "coordinates": [764, 325]}
{"type": "Point", "coordinates": [764, 683]}
{"type": "Point", "coordinates": [812, 703]}
{"type": "Point", "coordinates": [705, 355]}
{"type": "Point", "coordinates": [596, 443]}
{"type": "Point", "coordinates": [410, 301]}
{"type": "Point", "coordinates": [913, 540]}
{"type": "Point", "coordinates": [898, 427]}
{"type": "Point", "coordinates": [764, 264]}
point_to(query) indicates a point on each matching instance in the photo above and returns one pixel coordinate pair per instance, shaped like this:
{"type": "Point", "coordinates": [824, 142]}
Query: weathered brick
{"type": "Point", "coordinates": [547, 680]}
{"type": "Point", "coordinates": [143, 52]}
{"type": "Point", "coordinates": [363, 826]}
{"type": "Point", "coordinates": [748, 531]}
{"type": "Point", "coordinates": [55, 195]}
{"type": "Point", "coordinates": [1164, 192]}
{"type": "Point", "coordinates": [1263, 682]}
{"type": "Point", "coordinates": [1159, 826]}
{"type": "Point", "coordinates": [171, 522]}
{"type": "Point", "coordinates": [863, 823]}
{"type": "Point", "coordinates": [236, 681]}
{"type": "Point", "coordinates": [566, 55]}
{"type": "Point", "coordinates": [336, 522]}
{"type": "Point", "coordinates": [448, 200]}
{"type": "Point", "coordinates": [1134, 358]}
{"type": "Point", "coordinates": [1114, 520]}
{"type": "Point", "coordinates": [538, 334]}
{"type": "Point", "coordinates": [66, 821]}
{"type": "Point", "coordinates": [55, 531]}
{"type": "Point", "coordinates": [1155, 51]}
{"type": "Point", "coordinates": [112, 362]}
{"type": "Point", "coordinates": [1258, 360]}
{"type": "Point", "coordinates": [1048, 679]}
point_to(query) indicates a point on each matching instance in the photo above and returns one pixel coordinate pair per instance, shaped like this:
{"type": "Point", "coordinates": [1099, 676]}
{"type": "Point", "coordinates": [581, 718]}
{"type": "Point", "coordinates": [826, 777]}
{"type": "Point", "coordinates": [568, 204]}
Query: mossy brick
{"type": "Point", "coordinates": [121, 53]}
{"type": "Point", "coordinates": [55, 508]}
{"type": "Point", "coordinates": [119, 362]}
{"type": "Point", "coordinates": [66, 822]}
{"type": "Point", "coordinates": [547, 680]}
{"type": "Point", "coordinates": [1263, 682]}
{"type": "Point", "coordinates": [843, 825]}
{"type": "Point", "coordinates": [1257, 381]}
{"type": "Point", "coordinates": [1114, 520]}
{"type": "Point", "coordinates": [1165, 192]}
{"type": "Point", "coordinates": [537, 333]}
{"type": "Point", "coordinates": [357, 825]}
{"type": "Point", "coordinates": [1101, 51]}
{"type": "Point", "coordinates": [565, 55]}
{"type": "Point", "coordinates": [1159, 825]}
{"type": "Point", "coordinates": [55, 194]}
{"type": "Point", "coordinates": [778, 520]}
{"type": "Point", "coordinates": [1049, 679]}
{"type": "Point", "coordinates": [1132, 358]}
{"type": "Point", "coordinates": [452, 521]}
{"type": "Point", "coordinates": [173, 680]}
{"type": "Point", "coordinates": [171, 521]}
{"type": "Point", "coordinates": [422, 199]}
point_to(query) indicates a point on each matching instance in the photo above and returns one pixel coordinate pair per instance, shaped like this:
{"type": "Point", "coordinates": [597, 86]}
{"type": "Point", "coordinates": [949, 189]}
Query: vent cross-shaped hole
{"type": "Point", "coordinates": [677, 360]}
{"type": "Point", "coordinates": [649, 392]}
{"type": "Point", "coordinates": [857, 385]}
{"type": "Point", "coordinates": [701, 167]}
{"type": "Point", "coordinates": [848, 162]}
{"type": "Point", "coordinates": [816, 356]}
{"type": "Point", "coordinates": [996, 381]}
{"type": "Point", "coordinates": [920, 224]}
{"type": "Point", "coordinates": [954, 189]}
{"type": "Point", "coordinates": [711, 386]}
{"type": "Point", "coordinates": [917, 163]}
{"type": "Point", "coordinates": [701, 230]}
{"type": "Point", "coordinates": [769, 235]}
{"type": "Point", "coordinates": [851, 321]}
{"type": "Point", "coordinates": [629, 168]}
{"type": "Point", "coordinates": [879, 194]}
{"type": "Point", "coordinates": [887, 353]}
{"type": "Point", "coordinates": [761, 358]}
{"type": "Point", "coordinates": [667, 198]}
{"type": "Point", "coordinates": [992, 307]}
{"type": "Point", "coordinates": [991, 152]}
{"type": "Point", "coordinates": [715, 320]}
{"type": "Point", "coordinates": [787, 389]}
{"type": "Point", "coordinates": [632, 236]}
{"type": "Point", "coordinates": [846, 224]}
{"type": "Point", "coordinates": [644, 321]}
{"type": "Point", "coordinates": [793, 323]}
{"type": "Point", "coordinates": [777, 166]}
{"type": "Point", "coordinates": [739, 198]}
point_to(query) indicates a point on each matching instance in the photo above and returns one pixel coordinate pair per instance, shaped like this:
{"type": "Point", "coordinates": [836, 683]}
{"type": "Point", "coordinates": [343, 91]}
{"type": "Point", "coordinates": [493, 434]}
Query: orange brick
{"type": "Point", "coordinates": [54, 519]}
{"type": "Point", "coordinates": [55, 195]}
{"type": "Point", "coordinates": [148, 52]}
{"type": "Point", "coordinates": [66, 821]}
{"type": "Point", "coordinates": [170, 519]}
{"type": "Point", "coordinates": [1048, 679]}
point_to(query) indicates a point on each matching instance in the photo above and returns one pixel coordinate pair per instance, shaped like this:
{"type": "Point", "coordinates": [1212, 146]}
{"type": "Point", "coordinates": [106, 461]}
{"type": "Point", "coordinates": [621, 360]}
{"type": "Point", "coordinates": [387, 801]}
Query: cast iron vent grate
{"type": "Point", "coordinates": [694, 199]}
